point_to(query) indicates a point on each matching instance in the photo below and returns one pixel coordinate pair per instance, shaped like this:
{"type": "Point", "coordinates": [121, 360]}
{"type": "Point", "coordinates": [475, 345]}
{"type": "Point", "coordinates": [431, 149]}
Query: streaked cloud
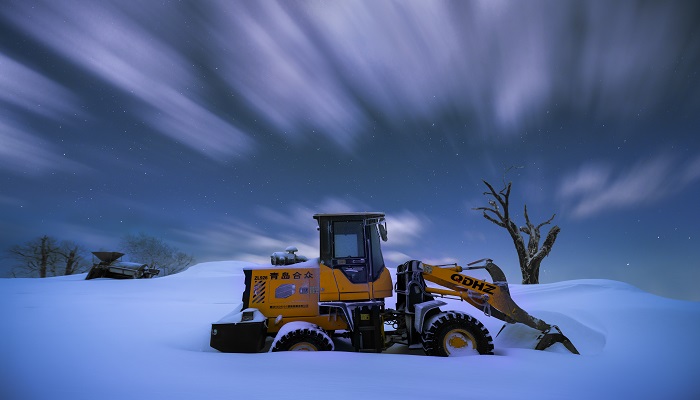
{"type": "Point", "coordinates": [405, 227]}
{"type": "Point", "coordinates": [106, 40]}
{"type": "Point", "coordinates": [601, 187]}
{"type": "Point", "coordinates": [590, 178]}
{"type": "Point", "coordinates": [22, 152]}
{"type": "Point", "coordinates": [690, 171]}
{"type": "Point", "coordinates": [498, 63]}
{"type": "Point", "coordinates": [314, 69]}
{"type": "Point", "coordinates": [273, 58]}
{"type": "Point", "coordinates": [92, 238]}
{"type": "Point", "coordinates": [10, 201]}
{"type": "Point", "coordinates": [23, 87]}
{"type": "Point", "coordinates": [273, 230]}
{"type": "Point", "coordinates": [235, 240]}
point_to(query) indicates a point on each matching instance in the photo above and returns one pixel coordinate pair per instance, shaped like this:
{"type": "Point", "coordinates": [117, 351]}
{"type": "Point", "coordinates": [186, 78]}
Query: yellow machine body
{"type": "Point", "coordinates": [341, 294]}
{"type": "Point", "coordinates": [294, 292]}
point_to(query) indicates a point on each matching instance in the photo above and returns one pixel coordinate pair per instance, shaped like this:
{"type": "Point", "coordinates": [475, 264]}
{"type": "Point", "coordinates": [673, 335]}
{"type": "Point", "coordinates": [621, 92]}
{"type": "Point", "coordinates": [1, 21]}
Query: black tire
{"type": "Point", "coordinates": [455, 333]}
{"type": "Point", "coordinates": [304, 340]}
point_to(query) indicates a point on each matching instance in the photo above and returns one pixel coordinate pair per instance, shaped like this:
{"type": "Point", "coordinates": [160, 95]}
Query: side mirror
{"type": "Point", "coordinates": [382, 232]}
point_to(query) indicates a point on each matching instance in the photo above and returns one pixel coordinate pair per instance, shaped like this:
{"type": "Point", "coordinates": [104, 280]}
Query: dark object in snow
{"type": "Point", "coordinates": [245, 334]}
{"type": "Point", "coordinates": [110, 267]}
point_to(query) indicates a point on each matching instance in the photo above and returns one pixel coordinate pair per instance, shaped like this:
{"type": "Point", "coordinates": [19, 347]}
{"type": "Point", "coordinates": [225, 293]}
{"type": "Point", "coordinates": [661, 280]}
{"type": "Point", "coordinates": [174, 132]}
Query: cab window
{"type": "Point", "coordinates": [377, 258]}
{"type": "Point", "coordinates": [347, 239]}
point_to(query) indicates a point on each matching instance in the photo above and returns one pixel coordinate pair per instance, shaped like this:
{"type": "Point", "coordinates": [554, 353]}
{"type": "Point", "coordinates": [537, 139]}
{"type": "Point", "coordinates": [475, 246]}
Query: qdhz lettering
{"type": "Point", "coordinates": [475, 284]}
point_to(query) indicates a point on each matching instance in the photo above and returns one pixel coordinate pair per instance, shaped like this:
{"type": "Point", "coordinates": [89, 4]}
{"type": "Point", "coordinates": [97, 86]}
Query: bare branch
{"type": "Point", "coordinates": [494, 211]}
{"type": "Point", "coordinates": [508, 170]}
{"type": "Point", "coordinates": [548, 243]}
{"type": "Point", "coordinates": [499, 223]}
{"type": "Point", "coordinates": [547, 222]}
{"type": "Point", "coordinates": [527, 217]}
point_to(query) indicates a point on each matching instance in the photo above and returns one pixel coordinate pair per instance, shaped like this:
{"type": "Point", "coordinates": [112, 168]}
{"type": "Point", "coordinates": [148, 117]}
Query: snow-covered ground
{"type": "Point", "coordinates": [67, 338]}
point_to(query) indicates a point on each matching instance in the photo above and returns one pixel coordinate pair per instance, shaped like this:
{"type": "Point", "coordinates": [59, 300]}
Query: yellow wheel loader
{"type": "Point", "coordinates": [341, 295]}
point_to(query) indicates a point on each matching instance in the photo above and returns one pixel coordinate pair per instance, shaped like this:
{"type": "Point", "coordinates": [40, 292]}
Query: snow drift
{"type": "Point", "coordinates": [67, 337]}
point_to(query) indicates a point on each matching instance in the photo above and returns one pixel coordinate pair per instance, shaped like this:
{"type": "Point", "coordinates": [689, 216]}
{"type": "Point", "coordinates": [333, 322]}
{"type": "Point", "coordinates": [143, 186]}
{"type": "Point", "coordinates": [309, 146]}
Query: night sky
{"type": "Point", "coordinates": [223, 126]}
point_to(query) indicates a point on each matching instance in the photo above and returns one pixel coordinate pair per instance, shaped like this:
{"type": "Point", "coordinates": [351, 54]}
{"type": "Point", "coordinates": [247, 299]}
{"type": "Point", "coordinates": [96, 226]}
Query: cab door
{"type": "Point", "coordinates": [380, 284]}
{"type": "Point", "coordinates": [350, 261]}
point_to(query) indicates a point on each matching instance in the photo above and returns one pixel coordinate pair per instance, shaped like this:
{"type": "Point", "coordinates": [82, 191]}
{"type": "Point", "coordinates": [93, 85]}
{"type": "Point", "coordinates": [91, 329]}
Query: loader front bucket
{"type": "Point", "coordinates": [492, 298]}
{"type": "Point", "coordinates": [549, 334]}
{"type": "Point", "coordinates": [517, 335]}
{"type": "Point", "coordinates": [507, 310]}
{"type": "Point", "coordinates": [549, 338]}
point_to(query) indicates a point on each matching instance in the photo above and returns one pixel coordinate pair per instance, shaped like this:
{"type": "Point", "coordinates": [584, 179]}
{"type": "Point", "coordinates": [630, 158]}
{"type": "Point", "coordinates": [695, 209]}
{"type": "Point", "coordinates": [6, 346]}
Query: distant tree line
{"type": "Point", "coordinates": [46, 256]}
{"type": "Point", "coordinates": [156, 253]}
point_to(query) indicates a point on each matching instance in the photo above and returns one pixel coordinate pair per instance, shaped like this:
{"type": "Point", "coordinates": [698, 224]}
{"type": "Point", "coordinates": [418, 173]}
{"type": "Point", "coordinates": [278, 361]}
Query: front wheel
{"type": "Point", "coordinates": [454, 333]}
{"type": "Point", "coordinates": [304, 339]}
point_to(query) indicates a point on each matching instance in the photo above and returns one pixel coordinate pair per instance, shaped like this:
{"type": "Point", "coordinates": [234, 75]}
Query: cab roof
{"type": "Point", "coordinates": [355, 215]}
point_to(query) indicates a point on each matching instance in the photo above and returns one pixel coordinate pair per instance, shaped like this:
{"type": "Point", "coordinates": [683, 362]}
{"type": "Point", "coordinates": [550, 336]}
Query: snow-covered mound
{"type": "Point", "coordinates": [144, 339]}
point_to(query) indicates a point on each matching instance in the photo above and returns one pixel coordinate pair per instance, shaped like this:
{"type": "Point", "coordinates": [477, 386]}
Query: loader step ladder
{"type": "Point", "coordinates": [368, 336]}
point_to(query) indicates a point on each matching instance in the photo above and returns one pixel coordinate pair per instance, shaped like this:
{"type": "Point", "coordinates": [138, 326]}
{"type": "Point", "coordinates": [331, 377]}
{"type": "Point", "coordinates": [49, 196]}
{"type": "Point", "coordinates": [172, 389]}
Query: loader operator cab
{"type": "Point", "coordinates": [350, 245]}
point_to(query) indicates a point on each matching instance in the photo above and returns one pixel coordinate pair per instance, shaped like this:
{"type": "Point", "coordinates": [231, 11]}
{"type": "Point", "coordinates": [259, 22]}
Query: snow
{"type": "Point", "coordinates": [66, 337]}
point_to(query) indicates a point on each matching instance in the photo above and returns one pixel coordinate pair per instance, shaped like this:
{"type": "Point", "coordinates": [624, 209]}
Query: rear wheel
{"type": "Point", "coordinates": [304, 340]}
{"type": "Point", "coordinates": [454, 334]}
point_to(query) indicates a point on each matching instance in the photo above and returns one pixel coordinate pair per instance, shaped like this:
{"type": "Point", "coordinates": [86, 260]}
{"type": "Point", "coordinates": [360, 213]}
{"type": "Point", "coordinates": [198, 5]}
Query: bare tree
{"type": "Point", "coordinates": [37, 258]}
{"type": "Point", "coordinates": [156, 253]}
{"type": "Point", "coordinates": [43, 257]}
{"type": "Point", "coordinates": [530, 256]}
{"type": "Point", "coordinates": [72, 256]}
